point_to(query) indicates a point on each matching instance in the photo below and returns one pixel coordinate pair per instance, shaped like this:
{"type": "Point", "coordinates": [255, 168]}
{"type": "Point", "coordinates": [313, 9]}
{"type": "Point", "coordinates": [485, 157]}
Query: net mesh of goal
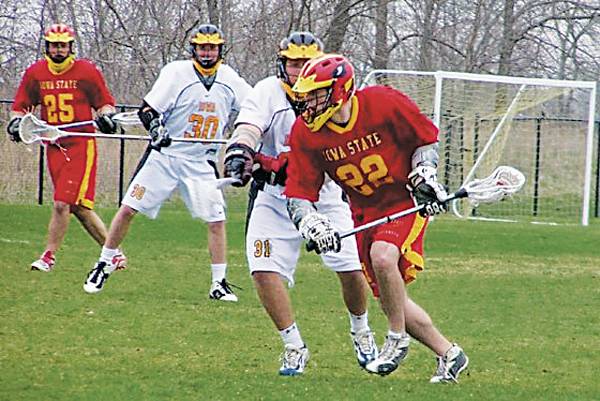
{"type": "Point", "coordinates": [541, 127]}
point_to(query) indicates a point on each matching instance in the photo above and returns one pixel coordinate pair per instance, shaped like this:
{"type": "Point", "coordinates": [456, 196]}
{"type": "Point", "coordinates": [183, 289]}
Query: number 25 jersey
{"type": "Point", "coordinates": [369, 157]}
{"type": "Point", "coordinates": [64, 98]}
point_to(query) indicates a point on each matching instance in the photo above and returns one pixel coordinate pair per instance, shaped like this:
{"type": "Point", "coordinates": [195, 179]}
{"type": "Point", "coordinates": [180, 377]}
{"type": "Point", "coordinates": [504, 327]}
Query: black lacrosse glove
{"type": "Point", "coordinates": [106, 124]}
{"type": "Point", "coordinates": [239, 159]}
{"type": "Point", "coordinates": [158, 133]}
{"type": "Point", "coordinates": [426, 191]}
{"type": "Point", "coordinates": [13, 129]}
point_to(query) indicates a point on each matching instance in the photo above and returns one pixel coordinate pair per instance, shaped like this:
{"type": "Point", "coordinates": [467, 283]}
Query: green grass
{"type": "Point", "coordinates": [522, 299]}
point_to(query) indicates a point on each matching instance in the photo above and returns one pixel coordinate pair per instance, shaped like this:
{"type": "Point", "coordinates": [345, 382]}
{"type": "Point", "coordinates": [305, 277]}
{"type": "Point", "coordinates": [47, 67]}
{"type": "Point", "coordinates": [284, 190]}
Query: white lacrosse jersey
{"type": "Point", "coordinates": [267, 107]}
{"type": "Point", "coordinates": [191, 111]}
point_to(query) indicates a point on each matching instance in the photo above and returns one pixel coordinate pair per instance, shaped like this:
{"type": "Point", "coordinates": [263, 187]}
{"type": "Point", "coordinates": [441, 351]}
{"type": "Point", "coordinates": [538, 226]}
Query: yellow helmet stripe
{"type": "Point", "coordinates": [294, 51]}
{"type": "Point", "coordinates": [55, 37]}
{"type": "Point", "coordinates": [211, 39]}
{"type": "Point", "coordinates": [308, 84]}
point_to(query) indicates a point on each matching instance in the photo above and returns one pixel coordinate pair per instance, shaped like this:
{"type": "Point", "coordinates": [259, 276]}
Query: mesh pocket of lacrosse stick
{"type": "Point", "coordinates": [32, 129]}
{"type": "Point", "coordinates": [503, 182]}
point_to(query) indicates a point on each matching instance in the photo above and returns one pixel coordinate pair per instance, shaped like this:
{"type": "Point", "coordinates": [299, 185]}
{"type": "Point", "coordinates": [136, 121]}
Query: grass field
{"type": "Point", "coordinates": [523, 301]}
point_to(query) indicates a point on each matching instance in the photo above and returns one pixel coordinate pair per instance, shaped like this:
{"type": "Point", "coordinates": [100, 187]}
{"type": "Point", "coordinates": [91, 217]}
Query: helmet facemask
{"type": "Point", "coordinates": [324, 85]}
{"type": "Point", "coordinates": [59, 35]}
{"type": "Point", "coordinates": [207, 34]}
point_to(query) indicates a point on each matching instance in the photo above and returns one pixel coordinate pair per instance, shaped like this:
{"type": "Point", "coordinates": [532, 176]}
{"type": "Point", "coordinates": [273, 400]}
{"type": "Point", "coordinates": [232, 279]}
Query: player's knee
{"type": "Point", "coordinates": [61, 207]}
{"type": "Point", "coordinates": [127, 212]}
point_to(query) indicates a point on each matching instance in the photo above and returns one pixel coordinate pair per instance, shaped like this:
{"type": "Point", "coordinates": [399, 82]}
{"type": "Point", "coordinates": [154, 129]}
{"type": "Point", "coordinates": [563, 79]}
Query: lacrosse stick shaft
{"type": "Point", "coordinates": [142, 138]}
{"type": "Point", "coordinates": [461, 193]}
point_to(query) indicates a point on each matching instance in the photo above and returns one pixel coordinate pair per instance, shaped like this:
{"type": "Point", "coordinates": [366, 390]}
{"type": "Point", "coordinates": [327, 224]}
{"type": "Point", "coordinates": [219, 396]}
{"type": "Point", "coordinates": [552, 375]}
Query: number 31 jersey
{"type": "Point", "coordinates": [370, 157]}
{"type": "Point", "coordinates": [190, 110]}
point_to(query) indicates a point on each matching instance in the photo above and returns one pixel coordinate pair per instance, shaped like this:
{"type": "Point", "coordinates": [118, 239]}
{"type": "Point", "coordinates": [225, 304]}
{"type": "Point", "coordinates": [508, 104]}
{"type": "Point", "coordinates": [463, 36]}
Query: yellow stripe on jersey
{"type": "Point", "coordinates": [85, 182]}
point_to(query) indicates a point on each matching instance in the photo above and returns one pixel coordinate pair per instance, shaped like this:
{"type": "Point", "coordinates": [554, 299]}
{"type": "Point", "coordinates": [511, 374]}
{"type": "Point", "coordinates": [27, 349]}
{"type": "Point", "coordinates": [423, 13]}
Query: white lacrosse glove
{"type": "Point", "coordinates": [317, 230]}
{"type": "Point", "coordinates": [426, 190]}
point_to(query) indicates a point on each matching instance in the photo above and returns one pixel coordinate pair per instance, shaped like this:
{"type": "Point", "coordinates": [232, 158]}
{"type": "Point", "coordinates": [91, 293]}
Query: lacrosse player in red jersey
{"type": "Point", "coordinates": [193, 98]}
{"type": "Point", "coordinates": [378, 146]}
{"type": "Point", "coordinates": [67, 89]}
{"type": "Point", "coordinates": [272, 242]}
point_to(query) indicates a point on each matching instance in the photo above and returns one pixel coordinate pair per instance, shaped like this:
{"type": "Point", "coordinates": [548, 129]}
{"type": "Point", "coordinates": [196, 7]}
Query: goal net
{"type": "Point", "coordinates": [543, 127]}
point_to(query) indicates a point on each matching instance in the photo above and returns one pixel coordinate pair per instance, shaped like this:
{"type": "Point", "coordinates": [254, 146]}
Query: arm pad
{"type": "Point", "coordinates": [298, 209]}
{"type": "Point", "coordinates": [146, 114]}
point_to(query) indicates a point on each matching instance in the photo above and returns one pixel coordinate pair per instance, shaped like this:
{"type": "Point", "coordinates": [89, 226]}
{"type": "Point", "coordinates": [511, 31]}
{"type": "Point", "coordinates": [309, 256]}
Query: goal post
{"type": "Point", "coordinates": [543, 127]}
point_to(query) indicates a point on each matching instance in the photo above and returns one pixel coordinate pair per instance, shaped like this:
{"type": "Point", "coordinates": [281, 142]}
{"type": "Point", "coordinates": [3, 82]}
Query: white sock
{"type": "Point", "coordinates": [107, 254]}
{"type": "Point", "coordinates": [291, 335]}
{"type": "Point", "coordinates": [394, 334]}
{"type": "Point", "coordinates": [359, 322]}
{"type": "Point", "coordinates": [218, 271]}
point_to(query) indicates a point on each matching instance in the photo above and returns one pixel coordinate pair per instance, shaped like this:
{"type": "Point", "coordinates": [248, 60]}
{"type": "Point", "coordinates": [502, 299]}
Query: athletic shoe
{"type": "Point", "coordinates": [364, 347]}
{"type": "Point", "coordinates": [97, 277]}
{"type": "Point", "coordinates": [119, 260]}
{"type": "Point", "coordinates": [221, 291]}
{"type": "Point", "coordinates": [393, 352]}
{"type": "Point", "coordinates": [450, 365]}
{"type": "Point", "coordinates": [293, 360]}
{"type": "Point", "coordinates": [45, 263]}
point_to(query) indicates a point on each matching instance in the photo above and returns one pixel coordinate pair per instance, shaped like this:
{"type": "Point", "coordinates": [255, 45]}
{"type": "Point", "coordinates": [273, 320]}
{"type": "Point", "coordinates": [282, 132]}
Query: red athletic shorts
{"type": "Point", "coordinates": [407, 234]}
{"type": "Point", "coordinates": [73, 172]}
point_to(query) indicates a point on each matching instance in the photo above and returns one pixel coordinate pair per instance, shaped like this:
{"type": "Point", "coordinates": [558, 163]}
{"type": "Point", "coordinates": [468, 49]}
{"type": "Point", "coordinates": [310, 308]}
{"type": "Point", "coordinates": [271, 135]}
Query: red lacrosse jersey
{"type": "Point", "coordinates": [370, 157]}
{"type": "Point", "coordinates": [64, 98]}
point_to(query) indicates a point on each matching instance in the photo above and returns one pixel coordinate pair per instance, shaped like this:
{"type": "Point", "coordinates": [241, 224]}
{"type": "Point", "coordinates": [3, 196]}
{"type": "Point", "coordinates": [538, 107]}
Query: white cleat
{"type": "Point", "coordinates": [45, 263]}
{"type": "Point", "coordinates": [394, 351]}
{"type": "Point", "coordinates": [294, 360]}
{"type": "Point", "coordinates": [364, 347]}
{"type": "Point", "coordinates": [450, 365]}
{"type": "Point", "coordinates": [221, 291]}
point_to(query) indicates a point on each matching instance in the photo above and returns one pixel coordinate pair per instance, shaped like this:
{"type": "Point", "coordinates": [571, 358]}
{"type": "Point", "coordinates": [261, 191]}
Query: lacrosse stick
{"type": "Point", "coordinates": [127, 118]}
{"type": "Point", "coordinates": [503, 182]}
{"type": "Point", "coordinates": [32, 129]}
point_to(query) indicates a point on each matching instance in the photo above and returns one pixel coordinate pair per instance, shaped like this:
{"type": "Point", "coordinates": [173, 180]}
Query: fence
{"type": "Point", "coordinates": [24, 178]}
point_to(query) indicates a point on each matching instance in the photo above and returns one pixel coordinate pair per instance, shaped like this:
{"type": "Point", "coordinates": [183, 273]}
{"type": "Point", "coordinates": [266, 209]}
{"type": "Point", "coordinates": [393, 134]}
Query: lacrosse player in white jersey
{"type": "Point", "coordinates": [192, 98]}
{"type": "Point", "coordinates": [272, 242]}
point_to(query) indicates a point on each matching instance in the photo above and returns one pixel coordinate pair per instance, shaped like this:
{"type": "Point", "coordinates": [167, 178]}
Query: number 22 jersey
{"type": "Point", "coordinates": [369, 157]}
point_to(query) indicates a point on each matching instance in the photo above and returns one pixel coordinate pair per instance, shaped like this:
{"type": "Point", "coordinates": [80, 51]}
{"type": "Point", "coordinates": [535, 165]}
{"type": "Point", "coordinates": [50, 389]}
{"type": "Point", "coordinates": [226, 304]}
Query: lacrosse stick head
{"type": "Point", "coordinates": [32, 129]}
{"type": "Point", "coordinates": [504, 181]}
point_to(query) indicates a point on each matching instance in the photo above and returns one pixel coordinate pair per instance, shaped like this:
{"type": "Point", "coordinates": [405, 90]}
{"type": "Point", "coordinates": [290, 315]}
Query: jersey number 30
{"type": "Point", "coordinates": [370, 174]}
{"type": "Point", "coordinates": [203, 127]}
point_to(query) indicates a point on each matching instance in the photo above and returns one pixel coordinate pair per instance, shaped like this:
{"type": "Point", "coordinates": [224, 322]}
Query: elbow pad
{"type": "Point", "coordinates": [146, 114]}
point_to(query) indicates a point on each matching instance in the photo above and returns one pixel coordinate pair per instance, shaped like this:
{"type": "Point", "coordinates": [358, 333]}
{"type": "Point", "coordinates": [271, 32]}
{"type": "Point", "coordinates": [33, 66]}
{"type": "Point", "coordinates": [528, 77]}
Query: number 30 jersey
{"type": "Point", "coordinates": [190, 110]}
{"type": "Point", "coordinates": [64, 98]}
{"type": "Point", "coordinates": [370, 157]}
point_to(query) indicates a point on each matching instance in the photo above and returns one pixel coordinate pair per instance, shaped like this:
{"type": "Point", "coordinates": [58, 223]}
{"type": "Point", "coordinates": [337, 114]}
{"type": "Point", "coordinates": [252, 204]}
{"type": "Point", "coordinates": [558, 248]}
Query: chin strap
{"type": "Point", "coordinates": [207, 72]}
{"type": "Point", "coordinates": [59, 68]}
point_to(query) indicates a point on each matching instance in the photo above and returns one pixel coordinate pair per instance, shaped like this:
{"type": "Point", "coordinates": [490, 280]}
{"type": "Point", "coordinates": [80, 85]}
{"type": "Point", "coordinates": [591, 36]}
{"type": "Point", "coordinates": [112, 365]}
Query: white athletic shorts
{"type": "Point", "coordinates": [161, 174]}
{"type": "Point", "coordinates": [273, 243]}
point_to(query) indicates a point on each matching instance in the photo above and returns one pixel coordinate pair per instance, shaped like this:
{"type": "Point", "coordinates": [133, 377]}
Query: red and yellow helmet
{"type": "Point", "coordinates": [59, 33]}
{"type": "Point", "coordinates": [331, 72]}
